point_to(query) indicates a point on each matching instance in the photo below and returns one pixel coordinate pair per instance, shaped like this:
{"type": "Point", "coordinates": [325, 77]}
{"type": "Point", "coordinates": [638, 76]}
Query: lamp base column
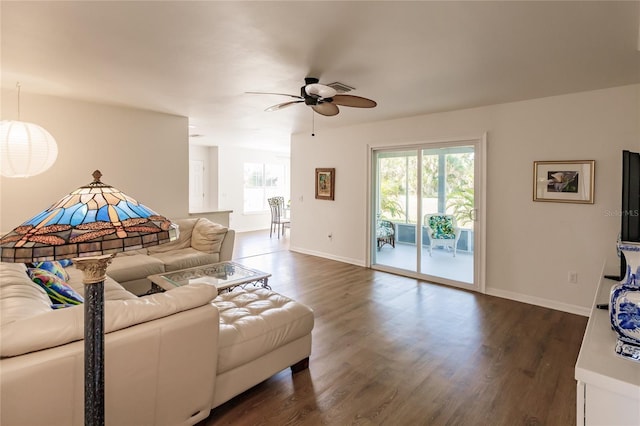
{"type": "Point", "coordinates": [94, 354]}
{"type": "Point", "coordinates": [95, 272]}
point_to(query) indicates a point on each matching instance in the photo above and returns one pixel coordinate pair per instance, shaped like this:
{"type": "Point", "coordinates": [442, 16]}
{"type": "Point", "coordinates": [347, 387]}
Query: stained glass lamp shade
{"type": "Point", "coordinates": [90, 224]}
{"type": "Point", "coordinates": [94, 219]}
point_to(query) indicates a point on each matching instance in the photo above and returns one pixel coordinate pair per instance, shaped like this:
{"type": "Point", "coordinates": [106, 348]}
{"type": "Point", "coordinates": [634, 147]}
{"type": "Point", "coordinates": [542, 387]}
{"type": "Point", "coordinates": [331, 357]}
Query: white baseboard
{"type": "Point", "coordinates": [538, 301]}
{"type": "Point", "coordinates": [330, 256]}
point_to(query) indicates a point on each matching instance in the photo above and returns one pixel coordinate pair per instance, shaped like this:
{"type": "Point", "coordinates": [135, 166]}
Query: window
{"type": "Point", "coordinates": [262, 181]}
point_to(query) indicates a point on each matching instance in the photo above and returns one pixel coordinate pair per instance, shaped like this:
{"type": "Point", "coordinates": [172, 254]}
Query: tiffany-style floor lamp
{"type": "Point", "coordinates": [89, 225]}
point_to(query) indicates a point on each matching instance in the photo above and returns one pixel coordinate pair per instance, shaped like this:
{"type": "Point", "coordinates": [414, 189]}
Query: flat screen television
{"type": "Point", "coordinates": [630, 213]}
{"type": "Point", "coordinates": [630, 196]}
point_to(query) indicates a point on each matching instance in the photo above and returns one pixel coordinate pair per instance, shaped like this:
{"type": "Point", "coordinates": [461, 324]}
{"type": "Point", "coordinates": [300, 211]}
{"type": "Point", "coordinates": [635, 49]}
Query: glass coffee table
{"type": "Point", "coordinates": [225, 276]}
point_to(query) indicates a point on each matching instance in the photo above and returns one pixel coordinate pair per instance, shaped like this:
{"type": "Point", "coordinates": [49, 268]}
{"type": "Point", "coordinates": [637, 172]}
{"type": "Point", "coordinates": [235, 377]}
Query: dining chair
{"type": "Point", "coordinates": [278, 220]}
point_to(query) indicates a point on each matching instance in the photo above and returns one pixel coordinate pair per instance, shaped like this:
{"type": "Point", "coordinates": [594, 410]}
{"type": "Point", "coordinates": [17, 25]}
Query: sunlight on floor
{"type": "Point", "coordinates": [254, 243]}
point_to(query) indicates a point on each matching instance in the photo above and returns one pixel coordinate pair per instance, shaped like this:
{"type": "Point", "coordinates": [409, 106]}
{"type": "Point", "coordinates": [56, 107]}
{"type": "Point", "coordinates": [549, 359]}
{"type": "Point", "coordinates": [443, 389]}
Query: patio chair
{"type": "Point", "coordinates": [385, 233]}
{"type": "Point", "coordinates": [278, 221]}
{"type": "Point", "coordinates": [442, 230]}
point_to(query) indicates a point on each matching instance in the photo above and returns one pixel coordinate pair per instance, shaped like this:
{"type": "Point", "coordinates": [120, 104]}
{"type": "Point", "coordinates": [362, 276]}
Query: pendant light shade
{"type": "Point", "coordinates": [26, 149]}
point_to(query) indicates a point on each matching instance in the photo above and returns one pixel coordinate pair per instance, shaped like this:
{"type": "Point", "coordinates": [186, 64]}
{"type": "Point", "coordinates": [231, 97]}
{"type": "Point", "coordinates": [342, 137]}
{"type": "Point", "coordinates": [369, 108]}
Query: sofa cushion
{"type": "Point", "coordinates": [19, 296]}
{"type": "Point", "coordinates": [185, 228]}
{"type": "Point", "coordinates": [127, 268]}
{"type": "Point", "coordinates": [255, 321]}
{"type": "Point", "coordinates": [133, 252]}
{"type": "Point", "coordinates": [58, 290]}
{"type": "Point", "coordinates": [112, 289]}
{"type": "Point", "coordinates": [185, 258]}
{"type": "Point", "coordinates": [207, 236]}
{"type": "Point", "coordinates": [58, 327]}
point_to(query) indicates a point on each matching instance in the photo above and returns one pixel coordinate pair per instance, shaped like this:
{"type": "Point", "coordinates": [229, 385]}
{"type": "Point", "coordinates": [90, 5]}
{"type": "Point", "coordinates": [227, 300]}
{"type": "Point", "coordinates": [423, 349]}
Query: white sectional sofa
{"type": "Point", "coordinates": [169, 357]}
{"type": "Point", "coordinates": [200, 242]}
{"type": "Point", "coordinates": [148, 342]}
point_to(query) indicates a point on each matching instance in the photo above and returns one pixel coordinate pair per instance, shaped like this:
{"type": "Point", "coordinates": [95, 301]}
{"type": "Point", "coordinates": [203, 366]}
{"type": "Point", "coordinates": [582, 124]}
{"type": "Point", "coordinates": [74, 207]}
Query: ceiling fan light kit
{"type": "Point", "coordinates": [320, 90]}
{"type": "Point", "coordinates": [323, 99]}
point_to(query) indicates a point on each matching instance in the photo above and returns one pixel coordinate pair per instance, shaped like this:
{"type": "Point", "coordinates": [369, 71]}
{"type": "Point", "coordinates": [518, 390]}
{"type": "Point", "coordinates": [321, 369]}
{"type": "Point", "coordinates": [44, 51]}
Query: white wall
{"type": "Point", "coordinates": [143, 153]}
{"type": "Point", "coordinates": [231, 185]}
{"type": "Point", "coordinates": [531, 246]}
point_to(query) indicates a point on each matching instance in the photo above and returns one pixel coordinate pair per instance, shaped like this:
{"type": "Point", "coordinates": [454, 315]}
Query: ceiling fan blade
{"type": "Point", "coordinates": [353, 101]}
{"type": "Point", "coordinates": [282, 105]}
{"type": "Point", "coordinates": [270, 93]}
{"type": "Point", "coordinates": [320, 90]}
{"type": "Point", "coordinates": [326, 108]}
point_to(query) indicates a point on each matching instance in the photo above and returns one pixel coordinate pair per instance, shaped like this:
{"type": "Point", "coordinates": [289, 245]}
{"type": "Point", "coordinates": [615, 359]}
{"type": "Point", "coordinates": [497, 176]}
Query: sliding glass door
{"type": "Point", "coordinates": [396, 209]}
{"type": "Point", "coordinates": [448, 207]}
{"type": "Point", "coordinates": [427, 197]}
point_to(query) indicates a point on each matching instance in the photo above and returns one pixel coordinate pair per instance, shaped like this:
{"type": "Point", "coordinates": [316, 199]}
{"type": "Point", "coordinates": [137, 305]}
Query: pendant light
{"type": "Point", "coordinates": [26, 149]}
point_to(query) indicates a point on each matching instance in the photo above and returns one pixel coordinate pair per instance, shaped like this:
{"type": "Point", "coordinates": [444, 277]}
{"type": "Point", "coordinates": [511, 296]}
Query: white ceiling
{"type": "Point", "coordinates": [198, 59]}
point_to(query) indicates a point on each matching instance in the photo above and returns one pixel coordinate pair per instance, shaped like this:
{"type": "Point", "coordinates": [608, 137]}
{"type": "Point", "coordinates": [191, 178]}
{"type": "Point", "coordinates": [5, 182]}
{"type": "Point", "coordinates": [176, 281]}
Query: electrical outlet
{"type": "Point", "coordinates": [572, 277]}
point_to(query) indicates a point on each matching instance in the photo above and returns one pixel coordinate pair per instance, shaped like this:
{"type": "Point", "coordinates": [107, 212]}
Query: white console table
{"type": "Point", "coordinates": [608, 385]}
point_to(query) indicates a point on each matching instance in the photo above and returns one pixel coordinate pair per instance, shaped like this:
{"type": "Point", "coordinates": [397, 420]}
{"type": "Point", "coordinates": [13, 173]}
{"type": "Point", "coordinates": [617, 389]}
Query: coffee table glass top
{"type": "Point", "coordinates": [223, 275]}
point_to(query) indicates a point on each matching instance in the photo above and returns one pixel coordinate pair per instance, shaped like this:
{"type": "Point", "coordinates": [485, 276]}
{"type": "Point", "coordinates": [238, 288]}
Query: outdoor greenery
{"type": "Point", "coordinates": [460, 193]}
{"type": "Point", "coordinates": [460, 203]}
{"type": "Point", "coordinates": [397, 177]}
{"type": "Point", "coordinates": [398, 185]}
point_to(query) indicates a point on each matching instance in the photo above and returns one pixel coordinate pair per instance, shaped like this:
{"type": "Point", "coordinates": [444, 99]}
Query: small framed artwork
{"type": "Point", "coordinates": [564, 181]}
{"type": "Point", "coordinates": [325, 184]}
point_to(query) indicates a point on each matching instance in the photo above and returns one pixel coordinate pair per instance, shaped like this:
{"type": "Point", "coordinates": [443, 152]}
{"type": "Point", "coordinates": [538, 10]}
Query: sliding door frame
{"type": "Point", "coordinates": [480, 173]}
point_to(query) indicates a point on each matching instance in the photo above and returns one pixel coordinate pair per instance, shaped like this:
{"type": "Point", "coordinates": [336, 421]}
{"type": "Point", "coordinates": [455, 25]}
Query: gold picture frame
{"type": "Point", "coordinates": [564, 181]}
{"type": "Point", "coordinates": [325, 183]}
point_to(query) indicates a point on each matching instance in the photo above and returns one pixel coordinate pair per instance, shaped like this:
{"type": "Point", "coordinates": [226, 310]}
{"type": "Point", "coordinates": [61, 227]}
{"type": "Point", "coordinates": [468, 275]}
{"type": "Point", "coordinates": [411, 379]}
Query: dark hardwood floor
{"type": "Point", "coordinates": [390, 350]}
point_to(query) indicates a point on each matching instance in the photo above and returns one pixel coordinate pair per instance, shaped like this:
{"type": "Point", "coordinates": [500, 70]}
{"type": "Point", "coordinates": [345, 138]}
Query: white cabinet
{"type": "Point", "coordinates": [608, 385]}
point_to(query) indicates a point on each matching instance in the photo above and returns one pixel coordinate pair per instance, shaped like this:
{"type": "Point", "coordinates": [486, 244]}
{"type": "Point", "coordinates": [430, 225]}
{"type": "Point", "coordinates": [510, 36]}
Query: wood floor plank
{"type": "Point", "coordinates": [390, 350]}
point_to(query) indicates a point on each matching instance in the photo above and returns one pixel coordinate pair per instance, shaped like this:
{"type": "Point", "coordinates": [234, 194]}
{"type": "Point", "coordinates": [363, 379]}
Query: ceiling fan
{"type": "Point", "coordinates": [321, 98]}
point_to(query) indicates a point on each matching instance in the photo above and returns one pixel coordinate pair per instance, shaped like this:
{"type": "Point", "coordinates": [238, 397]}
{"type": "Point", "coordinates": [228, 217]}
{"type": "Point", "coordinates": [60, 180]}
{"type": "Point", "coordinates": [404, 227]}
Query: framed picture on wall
{"type": "Point", "coordinates": [325, 184]}
{"type": "Point", "coordinates": [564, 181]}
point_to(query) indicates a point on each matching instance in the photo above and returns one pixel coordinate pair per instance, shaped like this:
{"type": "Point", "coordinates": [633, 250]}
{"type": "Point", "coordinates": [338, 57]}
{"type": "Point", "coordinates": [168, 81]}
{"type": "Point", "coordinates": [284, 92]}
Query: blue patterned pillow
{"type": "Point", "coordinates": [61, 305]}
{"type": "Point", "coordinates": [58, 291]}
{"type": "Point", "coordinates": [54, 267]}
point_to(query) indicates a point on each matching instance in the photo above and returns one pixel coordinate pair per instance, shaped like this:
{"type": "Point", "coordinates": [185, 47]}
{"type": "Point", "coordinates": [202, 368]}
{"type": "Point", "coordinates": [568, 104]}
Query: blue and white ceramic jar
{"type": "Point", "coordinates": [624, 306]}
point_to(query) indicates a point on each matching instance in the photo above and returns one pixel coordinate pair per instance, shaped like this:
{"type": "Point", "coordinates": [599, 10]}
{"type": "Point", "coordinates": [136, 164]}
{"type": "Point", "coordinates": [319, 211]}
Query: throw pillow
{"type": "Point", "coordinates": [207, 236]}
{"type": "Point", "coordinates": [442, 227]}
{"type": "Point", "coordinates": [59, 291]}
{"type": "Point", "coordinates": [61, 305]}
{"type": "Point", "coordinates": [54, 267]}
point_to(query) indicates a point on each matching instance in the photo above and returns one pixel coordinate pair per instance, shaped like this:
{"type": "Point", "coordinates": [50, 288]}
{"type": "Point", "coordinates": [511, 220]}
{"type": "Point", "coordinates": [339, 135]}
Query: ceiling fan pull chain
{"type": "Point", "coordinates": [313, 124]}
